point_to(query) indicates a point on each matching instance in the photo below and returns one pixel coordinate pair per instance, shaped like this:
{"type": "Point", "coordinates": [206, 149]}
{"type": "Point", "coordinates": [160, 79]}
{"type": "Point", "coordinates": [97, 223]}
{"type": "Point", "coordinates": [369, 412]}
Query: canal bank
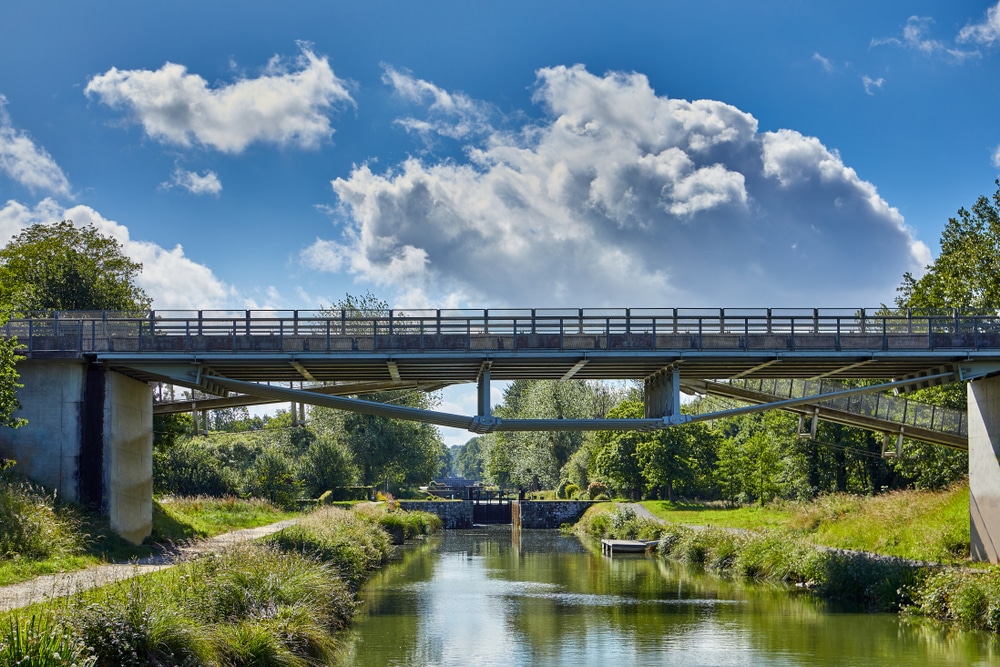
{"type": "Point", "coordinates": [495, 596]}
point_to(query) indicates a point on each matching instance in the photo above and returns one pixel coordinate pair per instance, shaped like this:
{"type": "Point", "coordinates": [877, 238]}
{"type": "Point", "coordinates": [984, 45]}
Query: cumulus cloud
{"type": "Point", "coordinates": [619, 196]}
{"type": "Point", "coordinates": [26, 163]}
{"type": "Point", "coordinates": [173, 280]}
{"type": "Point", "coordinates": [198, 184]}
{"type": "Point", "coordinates": [453, 115]}
{"type": "Point", "coordinates": [996, 157]}
{"type": "Point", "coordinates": [871, 85]}
{"type": "Point", "coordinates": [986, 32]}
{"type": "Point", "coordinates": [287, 105]}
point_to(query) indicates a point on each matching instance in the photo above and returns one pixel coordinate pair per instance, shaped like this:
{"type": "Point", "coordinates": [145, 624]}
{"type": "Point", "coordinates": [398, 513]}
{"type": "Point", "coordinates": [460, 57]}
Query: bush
{"type": "Point", "coordinates": [595, 489]}
{"type": "Point", "coordinates": [189, 468]}
{"type": "Point", "coordinates": [571, 491]}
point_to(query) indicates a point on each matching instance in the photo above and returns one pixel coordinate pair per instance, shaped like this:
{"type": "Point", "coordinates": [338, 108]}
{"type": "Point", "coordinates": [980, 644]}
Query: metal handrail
{"type": "Point", "coordinates": [652, 328]}
{"type": "Point", "coordinates": [878, 406]}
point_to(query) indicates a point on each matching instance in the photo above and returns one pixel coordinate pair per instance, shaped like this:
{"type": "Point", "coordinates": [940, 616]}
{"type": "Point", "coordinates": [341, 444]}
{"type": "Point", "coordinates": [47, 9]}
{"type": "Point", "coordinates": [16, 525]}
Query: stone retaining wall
{"type": "Point", "coordinates": [453, 513]}
{"type": "Point", "coordinates": [547, 513]}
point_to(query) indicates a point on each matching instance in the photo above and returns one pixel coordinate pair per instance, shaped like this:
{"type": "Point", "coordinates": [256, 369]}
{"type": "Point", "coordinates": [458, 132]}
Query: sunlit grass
{"type": "Point", "coordinates": [919, 525]}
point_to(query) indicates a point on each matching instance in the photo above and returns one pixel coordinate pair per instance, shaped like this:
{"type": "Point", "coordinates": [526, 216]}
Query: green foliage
{"type": "Point", "coordinates": [9, 379]}
{"type": "Point", "coordinates": [34, 527]}
{"type": "Point", "coordinates": [970, 599]}
{"type": "Point", "coordinates": [193, 468]}
{"type": "Point", "coordinates": [64, 267]}
{"type": "Point", "coordinates": [272, 476]}
{"type": "Point", "coordinates": [351, 543]}
{"type": "Point", "coordinates": [41, 642]}
{"type": "Point", "coordinates": [130, 626]}
{"type": "Point", "coordinates": [469, 459]}
{"type": "Point", "coordinates": [966, 273]}
{"type": "Point", "coordinates": [529, 460]}
{"type": "Point", "coordinates": [326, 464]}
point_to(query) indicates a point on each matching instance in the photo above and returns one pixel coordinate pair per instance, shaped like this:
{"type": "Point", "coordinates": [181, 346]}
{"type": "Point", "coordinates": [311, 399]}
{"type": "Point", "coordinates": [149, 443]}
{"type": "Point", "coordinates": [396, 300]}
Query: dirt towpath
{"type": "Point", "coordinates": [51, 586]}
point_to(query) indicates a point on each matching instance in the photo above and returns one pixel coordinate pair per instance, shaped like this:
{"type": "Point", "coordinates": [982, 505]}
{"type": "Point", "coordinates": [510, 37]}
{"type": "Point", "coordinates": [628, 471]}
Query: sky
{"type": "Point", "coordinates": [262, 155]}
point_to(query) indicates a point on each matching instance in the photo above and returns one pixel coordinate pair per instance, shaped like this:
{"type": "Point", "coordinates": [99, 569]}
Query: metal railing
{"type": "Point", "coordinates": [636, 328]}
{"type": "Point", "coordinates": [877, 406]}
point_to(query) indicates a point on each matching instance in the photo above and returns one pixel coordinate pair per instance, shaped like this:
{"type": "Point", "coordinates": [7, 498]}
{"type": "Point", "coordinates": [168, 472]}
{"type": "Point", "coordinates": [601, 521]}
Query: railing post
{"type": "Point", "coordinates": [700, 346]}
{"type": "Point", "coordinates": [885, 336]}
{"type": "Point", "coordinates": [343, 322]}
{"type": "Point", "coordinates": [248, 323]}
{"type": "Point", "coordinates": [836, 343]}
{"type": "Point", "coordinates": [328, 334]}
{"type": "Point", "coordinates": [675, 320]}
{"type": "Point", "coordinates": [768, 320]}
{"type": "Point", "coordinates": [791, 338]}
{"type": "Point", "coordinates": [533, 321]}
{"type": "Point", "coordinates": [722, 320]}
{"type": "Point", "coordinates": [199, 323]}
{"type": "Point", "coordinates": [815, 320]}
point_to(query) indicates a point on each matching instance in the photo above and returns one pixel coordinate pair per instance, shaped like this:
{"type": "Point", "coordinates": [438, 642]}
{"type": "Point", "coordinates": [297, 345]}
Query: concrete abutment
{"type": "Point", "coordinates": [984, 468]}
{"type": "Point", "coordinates": [89, 437]}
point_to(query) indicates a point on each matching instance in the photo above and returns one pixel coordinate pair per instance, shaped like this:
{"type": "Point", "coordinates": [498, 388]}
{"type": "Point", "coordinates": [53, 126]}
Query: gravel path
{"type": "Point", "coordinates": [51, 586]}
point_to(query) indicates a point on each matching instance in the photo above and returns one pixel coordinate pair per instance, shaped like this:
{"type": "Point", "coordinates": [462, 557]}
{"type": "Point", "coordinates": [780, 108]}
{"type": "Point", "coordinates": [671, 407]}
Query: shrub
{"type": "Point", "coordinates": [872, 582]}
{"type": "Point", "coordinates": [189, 468]}
{"type": "Point", "coordinates": [272, 476]}
{"type": "Point", "coordinates": [595, 489]}
{"type": "Point", "coordinates": [41, 643]}
{"type": "Point", "coordinates": [971, 599]}
{"type": "Point", "coordinates": [571, 491]}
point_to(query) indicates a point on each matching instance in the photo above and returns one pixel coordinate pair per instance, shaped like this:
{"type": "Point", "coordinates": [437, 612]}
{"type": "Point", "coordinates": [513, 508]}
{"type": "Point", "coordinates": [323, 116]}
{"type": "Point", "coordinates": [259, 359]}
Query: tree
{"type": "Point", "coordinates": [9, 381]}
{"type": "Point", "coordinates": [966, 274]}
{"type": "Point", "coordinates": [64, 267]}
{"type": "Point", "coordinates": [616, 457]}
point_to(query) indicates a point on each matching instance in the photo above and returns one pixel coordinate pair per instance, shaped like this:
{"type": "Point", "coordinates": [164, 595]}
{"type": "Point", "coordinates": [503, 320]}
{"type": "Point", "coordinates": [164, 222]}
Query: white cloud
{"type": "Point", "coordinates": [207, 184]}
{"type": "Point", "coordinates": [453, 115]}
{"type": "Point", "coordinates": [282, 106]}
{"type": "Point", "coordinates": [26, 163]}
{"type": "Point", "coordinates": [987, 32]}
{"type": "Point", "coordinates": [824, 62]}
{"type": "Point", "coordinates": [173, 280]}
{"type": "Point", "coordinates": [996, 157]}
{"type": "Point", "coordinates": [916, 35]}
{"type": "Point", "coordinates": [618, 196]}
{"type": "Point", "coordinates": [872, 84]}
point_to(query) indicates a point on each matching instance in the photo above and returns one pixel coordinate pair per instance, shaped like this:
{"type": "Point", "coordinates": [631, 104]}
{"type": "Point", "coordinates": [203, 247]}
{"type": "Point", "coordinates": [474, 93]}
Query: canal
{"type": "Point", "coordinates": [488, 597]}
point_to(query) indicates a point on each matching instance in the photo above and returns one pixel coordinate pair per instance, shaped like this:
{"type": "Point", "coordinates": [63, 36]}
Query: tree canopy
{"type": "Point", "coordinates": [64, 267]}
{"type": "Point", "coordinates": [966, 274]}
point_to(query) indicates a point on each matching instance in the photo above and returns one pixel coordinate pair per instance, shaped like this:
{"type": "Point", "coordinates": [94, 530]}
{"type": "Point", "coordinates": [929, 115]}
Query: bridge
{"type": "Point", "coordinates": [100, 366]}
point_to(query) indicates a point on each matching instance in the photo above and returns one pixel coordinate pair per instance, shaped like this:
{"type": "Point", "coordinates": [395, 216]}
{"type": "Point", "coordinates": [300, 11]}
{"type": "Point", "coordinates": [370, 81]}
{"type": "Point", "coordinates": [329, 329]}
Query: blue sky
{"type": "Point", "coordinates": [526, 154]}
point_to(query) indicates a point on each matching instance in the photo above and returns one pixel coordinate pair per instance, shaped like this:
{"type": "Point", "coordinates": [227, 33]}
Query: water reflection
{"type": "Point", "coordinates": [487, 597]}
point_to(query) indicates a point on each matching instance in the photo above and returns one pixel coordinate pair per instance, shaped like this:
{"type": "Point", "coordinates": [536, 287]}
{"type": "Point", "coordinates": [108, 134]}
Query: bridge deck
{"type": "Point", "coordinates": [453, 346]}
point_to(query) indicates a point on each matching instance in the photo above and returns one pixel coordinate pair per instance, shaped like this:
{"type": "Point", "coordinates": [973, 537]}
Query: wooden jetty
{"type": "Point", "coordinates": [611, 547]}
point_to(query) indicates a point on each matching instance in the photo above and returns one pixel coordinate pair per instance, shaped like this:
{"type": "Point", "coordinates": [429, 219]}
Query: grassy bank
{"type": "Point", "coordinates": [280, 602]}
{"type": "Point", "coordinates": [874, 582]}
{"type": "Point", "coordinates": [43, 535]}
{"type": "Point", "coordinates": [919, 525]}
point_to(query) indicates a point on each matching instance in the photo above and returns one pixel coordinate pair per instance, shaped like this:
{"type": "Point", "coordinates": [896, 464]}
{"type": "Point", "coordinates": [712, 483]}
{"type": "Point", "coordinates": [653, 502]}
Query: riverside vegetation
{"type": "Point", "coordinates": [788, 552]}
{"type": "Point", "coordinates": [279, 601]}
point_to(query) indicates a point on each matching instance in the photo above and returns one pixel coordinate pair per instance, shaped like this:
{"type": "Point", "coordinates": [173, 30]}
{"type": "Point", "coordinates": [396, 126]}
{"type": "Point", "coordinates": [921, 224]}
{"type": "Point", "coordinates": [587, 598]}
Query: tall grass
{"type": "Point", "coordinates": [34, 526]}
{"type": "Point", "coordinates": [39, 641]}
{"type": "Point", "coordinates": [862, 580]}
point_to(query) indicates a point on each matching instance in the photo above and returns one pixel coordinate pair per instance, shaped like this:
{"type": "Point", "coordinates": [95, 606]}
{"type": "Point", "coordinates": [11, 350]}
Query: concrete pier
{"type": "Point", "coordinates": [89, 438]}
{"type": "Point", "coordinates": [984, 468]}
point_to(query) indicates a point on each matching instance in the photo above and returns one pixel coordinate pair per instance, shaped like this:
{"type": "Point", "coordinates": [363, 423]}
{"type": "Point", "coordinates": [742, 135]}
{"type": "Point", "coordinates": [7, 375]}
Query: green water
{"type": "Point", "coordinates": [488, 597]}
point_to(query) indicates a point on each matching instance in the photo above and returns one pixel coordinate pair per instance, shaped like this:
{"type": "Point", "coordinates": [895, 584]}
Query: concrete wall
{"type": "Point", "coordinates": [89, 437]}
{"type": "Point", "coordinates": [547, 513]}
{"type": "Point", "coordinates": [453, 513]}
{"type": "Point", "coordinates": [984, 468]}
{"type": "Point", "coordinates": [128, 456]}
{"type": "Point", "coordinates": [47, 449]}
